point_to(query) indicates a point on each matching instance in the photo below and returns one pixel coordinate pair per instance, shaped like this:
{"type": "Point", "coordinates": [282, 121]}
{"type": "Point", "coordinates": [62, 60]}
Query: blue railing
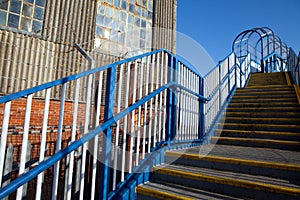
{"type": "Point", "coordinates": [122, 114]}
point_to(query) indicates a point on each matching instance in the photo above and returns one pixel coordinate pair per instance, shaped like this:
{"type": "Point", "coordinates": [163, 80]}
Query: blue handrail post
{"type": "Point", "coordinates": [201, 127]}
{"type": "Point", "coordinates": [174, 98]}
{"type": "Point", "coordinates": [106, 149]}
{"type": "Point", "coordinates": [171, 101]}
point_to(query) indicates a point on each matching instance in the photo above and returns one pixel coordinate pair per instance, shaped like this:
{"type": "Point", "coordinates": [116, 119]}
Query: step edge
{"type": "Point", "coordinates": [255, 163]}
{"type": "Point", "coordinates": [259, 132]}
{"type": "Point", "coordinates": [254, 140]}
{"type": "Point", "coordinates": [158, 194]}
{"type": "Point", "coordinates": [230, 181]}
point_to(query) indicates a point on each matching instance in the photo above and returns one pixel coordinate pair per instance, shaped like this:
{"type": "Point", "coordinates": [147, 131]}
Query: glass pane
{"type": "Point", "coordinates": [108, 12]}
{"type": "Point", "coordinates": [27, 10]}
{"type": "Point", "coordinates": [143, 34]}
{"type": "Point", "coordinates": [38, 13]}
{"type": "Point", "coordinates": [124, 5]}
{"type": "Point", "coordinates": [15, 6]}
{"type": "Point", "coordinates": [107, 22]}
{"type": "Point", "coordinates": [115, 25]}
{"type": "Point", "coordinates": [117, 3]}
{"type": "Point", "coordinates": [3, 4]}
{"type": "Point", "coordinates": [25, 24]}
{"type": "Point", "coordinates": [29, 1]}
{"type": "Point", "coordinates": [143, 23]}
{"type": "Point", "coordinates": [149, 15]}
{"type": "Point", "coordinates": [100, 19]}
{"type": "Point", "coordinates": [37, 26]}
{"type": "Point", "coordinates": [2, 18]}
{"type": "Point", "coordinates": [13, 21]}
{"type": "Point", "coordinates": [131, 8]}
{"type": "Point", "coordinates": [130, 19]}
{"type": "Point", "coordinates": [40, 2]}
{"type": "Point", "coordinates": [101, 9]}
{"type": "Point", "coordinates": [99, 31]}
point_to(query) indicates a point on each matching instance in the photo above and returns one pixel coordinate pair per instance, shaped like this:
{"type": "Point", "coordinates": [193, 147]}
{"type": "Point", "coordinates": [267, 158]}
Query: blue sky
{"type": "Point", "coordinates": [214, 24]}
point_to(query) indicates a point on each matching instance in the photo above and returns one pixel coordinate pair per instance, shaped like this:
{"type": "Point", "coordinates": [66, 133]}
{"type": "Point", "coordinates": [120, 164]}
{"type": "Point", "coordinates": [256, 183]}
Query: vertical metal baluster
{"type": "Point", "coordinates": [184, 132]}
{"type": "Point", "coordinates": [43, 143]}
{"type": "Point", "coordinates": [156, 101]}
{"type": "Point", "coordinates": [165, 79]}
{"type": "Point", "coordinates": [139, 113]}
{"type": "Point", "coordinates": [180, 103]}
{"type": "Point", "coordinates": [86, 130]}
{"type": "Point", "coordinates": [96, 139]}
{"type": "Point", "coordinates": [4, 137]}
{"type": "Point", "coordinates": [145, 107]}
{"type": "Point", "coordinates": [73, 136]}
{"type": "Point", "coordinates": [24, 143]}
{"type": "Point", "coordinates": [58, 141]}
{"type": "Point", "coordinates": [125, 124]}
{"type": "Point", "coordinates": [151, 104]}
{"type": "Point", "coordinates": [119, 97]}
{"type": "Point", "coordinates": [132, 124]}
{"type": "Point", "coordinates": [160, 121]}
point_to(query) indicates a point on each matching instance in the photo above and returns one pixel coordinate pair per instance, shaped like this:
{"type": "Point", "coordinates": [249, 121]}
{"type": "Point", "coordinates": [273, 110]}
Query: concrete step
{"type": "Point", "coordinates": [261, 114]}
{"type": "Point", "coordinates": [263, 104]}
{"type": "Point", "coordinates": [261, 120]}
{"type": "Point", "coordinates": [227, 183]}
{"type": "Point", "coordinates": [290, 172]}
{"type": "Point", "coordinates": [258, 134]}
{"type": "Point", "coordinates": [260, 127]}
{"type": "Point", "coordinates": [165, 190]}
{"type": "Point", "coordinates": [264, 96]}
{"type": "Point", "coordinates": [276, 110]}
{"type": "Point", "coordinates": [254, 142]}
{"type": "Point", "coordinates": [265, 100]}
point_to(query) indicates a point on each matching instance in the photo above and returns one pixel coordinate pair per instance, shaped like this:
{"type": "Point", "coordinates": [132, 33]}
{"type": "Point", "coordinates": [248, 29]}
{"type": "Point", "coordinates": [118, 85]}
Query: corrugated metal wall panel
{"type": "Point", "coordinates": [164, 24]}
{"type": "Point", "coordinates": [70, 21]}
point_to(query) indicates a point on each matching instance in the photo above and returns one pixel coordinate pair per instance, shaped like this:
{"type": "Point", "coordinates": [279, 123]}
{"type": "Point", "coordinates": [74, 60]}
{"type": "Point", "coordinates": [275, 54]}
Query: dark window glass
{"type": "Point", "coordinates": [30, 1]}
{"type": "Point", "coordinates": [2, 18]}
{"type": "Point", "coordinates": [124, 5]}
{"type": "Point", "coordinates": [3, 4]}
{"type": "Point", "coordinates": [40, 3]}
{"type": "Point", "coordinates": [38, 13]}
{"type": "Point", "coordinates": [99, 31]}
{"type": "Point", "coordinates": [37, 26]}
{"type": "Point", "coordinates": [13, 21]}
{"type": "Point", "coordinates": [131, 8]}
{"type": "Point", "coordinates": [27, 10]}
{"type": "Point", "coordinates": [15, 6]}
{"type": "Point", "coordinates": [25, 24]}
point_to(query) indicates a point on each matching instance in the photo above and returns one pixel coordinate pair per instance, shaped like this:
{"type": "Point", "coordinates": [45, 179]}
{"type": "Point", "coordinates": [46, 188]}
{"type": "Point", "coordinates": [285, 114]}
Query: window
{"type": "Point", "coordinates": [25, 15]}
{"type": "Point", "coordinates": [124, 26]}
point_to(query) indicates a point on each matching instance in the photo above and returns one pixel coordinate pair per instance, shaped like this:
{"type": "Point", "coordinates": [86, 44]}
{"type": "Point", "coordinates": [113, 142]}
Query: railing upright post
{"type": "Point", "coordinates": [169, 102]}
{"type": "Point", "coordinates": [174, 98]}
{"type": "Point", "coordinates": [106, 148]}
{"type": "Point", "coordinates": [201, 127]}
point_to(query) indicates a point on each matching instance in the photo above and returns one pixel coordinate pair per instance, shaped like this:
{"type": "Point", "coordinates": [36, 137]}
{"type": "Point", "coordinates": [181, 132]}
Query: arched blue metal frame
{"type": "Point", "coordinates": [263, 46]}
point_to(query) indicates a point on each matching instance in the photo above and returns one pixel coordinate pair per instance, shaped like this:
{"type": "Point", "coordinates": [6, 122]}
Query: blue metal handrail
{"type": "Point", "coordinates": [231, 74]}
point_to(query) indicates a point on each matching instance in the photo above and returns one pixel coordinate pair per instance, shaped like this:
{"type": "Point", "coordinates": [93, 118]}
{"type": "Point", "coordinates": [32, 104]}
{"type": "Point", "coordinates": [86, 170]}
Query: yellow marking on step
{"type": "Point", "coordinates": [230, 181]}
{"type": "Point", "coordinates": [287, 77]}
{"type": "Point", "coordinates": [297, 90]}
{"type": "Point", "coordinates": [159, 194]}
{"type": "Point", "coordinates": [236, 161]}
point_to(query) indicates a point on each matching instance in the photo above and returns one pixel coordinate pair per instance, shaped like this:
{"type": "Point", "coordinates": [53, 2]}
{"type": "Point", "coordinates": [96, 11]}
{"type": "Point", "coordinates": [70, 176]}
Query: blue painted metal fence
{"type": "Point", "coordinates": [149, 103]}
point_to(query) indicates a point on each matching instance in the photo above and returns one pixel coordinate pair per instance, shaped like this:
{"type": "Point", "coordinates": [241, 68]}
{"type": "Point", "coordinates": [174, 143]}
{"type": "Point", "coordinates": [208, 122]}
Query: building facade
{"type": "Point", "coordinates": [37, 37]}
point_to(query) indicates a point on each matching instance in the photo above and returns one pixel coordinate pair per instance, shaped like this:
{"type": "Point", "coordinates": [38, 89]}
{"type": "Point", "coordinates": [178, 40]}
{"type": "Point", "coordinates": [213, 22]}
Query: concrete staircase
{"type": "Point", "coordinates": [254, 153]}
